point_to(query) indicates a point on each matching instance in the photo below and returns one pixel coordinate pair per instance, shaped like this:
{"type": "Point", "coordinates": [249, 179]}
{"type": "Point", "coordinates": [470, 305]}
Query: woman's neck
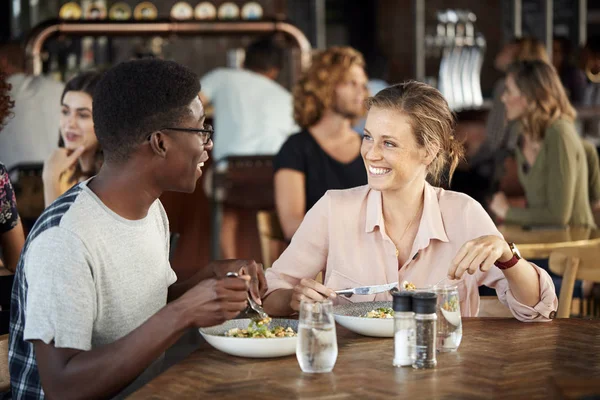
{"type": "Point", "coordinates": [401, 206]}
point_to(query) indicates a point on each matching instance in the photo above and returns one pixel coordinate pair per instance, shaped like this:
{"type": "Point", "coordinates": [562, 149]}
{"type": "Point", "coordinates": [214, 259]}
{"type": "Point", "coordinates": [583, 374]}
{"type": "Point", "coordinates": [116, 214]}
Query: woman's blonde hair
{"type": "Point", "coordinates": [314, 92]}
{"type": "Point", "coordinates": [529, 48]}
{"type": "Point", "coordinates": [431, 120]}
{"type": "Point", "coordinates": [547, 100]}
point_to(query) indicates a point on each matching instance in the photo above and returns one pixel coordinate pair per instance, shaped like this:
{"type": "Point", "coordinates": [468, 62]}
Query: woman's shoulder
{"type": "Point", "coordinates": [456, 205]}
{"type": "Point", "coordinates": [344, 199]}
{"type": "Point", "coordinates": [560, 126]}
{"type": "Point", "coordinates": [3, 170]}
{"type": "Point", "coordinates": [464, 217]}
{"type": "Point", "coordinates": [563, 132]}
{"type": "Point", "coordinates": [452, 198]}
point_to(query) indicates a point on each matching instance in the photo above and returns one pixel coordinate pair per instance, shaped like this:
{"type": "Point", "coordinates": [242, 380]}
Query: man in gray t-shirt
{"type": "Point", "coordinates": [89, 310]}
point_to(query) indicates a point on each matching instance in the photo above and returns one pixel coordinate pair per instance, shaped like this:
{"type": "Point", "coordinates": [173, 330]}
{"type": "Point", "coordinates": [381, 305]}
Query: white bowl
{"type": "Point", "coordinates": [350, 316]}
{"type": "Point", "coordinates": [251, 347]}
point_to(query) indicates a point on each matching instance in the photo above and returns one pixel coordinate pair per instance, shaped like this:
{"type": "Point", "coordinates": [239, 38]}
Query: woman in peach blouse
{"type": "Point", "coordinates": [400, 228]}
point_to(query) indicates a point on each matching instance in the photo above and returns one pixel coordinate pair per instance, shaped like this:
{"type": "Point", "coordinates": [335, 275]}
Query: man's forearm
{"type": "Point", "coordinates": [105, 371]}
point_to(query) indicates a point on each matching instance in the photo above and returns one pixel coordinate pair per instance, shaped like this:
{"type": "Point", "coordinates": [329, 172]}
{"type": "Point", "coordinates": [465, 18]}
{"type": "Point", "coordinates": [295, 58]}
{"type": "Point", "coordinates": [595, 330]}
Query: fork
{"type": "Point", "coordinates": [253, 304]}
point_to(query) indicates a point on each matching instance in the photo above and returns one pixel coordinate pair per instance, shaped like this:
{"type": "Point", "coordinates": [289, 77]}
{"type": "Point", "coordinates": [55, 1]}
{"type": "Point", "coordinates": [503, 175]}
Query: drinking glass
{"type": "Point", "coordinates": [317, 341]}
{"type": "Point", "coordinates": [449, 323]}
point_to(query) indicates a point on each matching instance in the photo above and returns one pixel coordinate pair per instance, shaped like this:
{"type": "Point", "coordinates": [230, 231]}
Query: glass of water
{"type": "Point", "coordinates": [317, 341]}
{"type": "Point", "coordinates": [449, 323]}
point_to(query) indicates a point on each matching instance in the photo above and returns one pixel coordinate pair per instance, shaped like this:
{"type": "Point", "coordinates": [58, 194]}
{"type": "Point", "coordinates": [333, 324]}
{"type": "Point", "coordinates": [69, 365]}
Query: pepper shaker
{"type": "Point", "coordinates": [424, 306]}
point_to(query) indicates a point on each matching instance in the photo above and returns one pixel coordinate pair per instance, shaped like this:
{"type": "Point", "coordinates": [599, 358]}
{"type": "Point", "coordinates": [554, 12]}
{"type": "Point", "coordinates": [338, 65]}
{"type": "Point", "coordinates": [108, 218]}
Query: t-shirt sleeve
{"type": "Point", "coordinates": [291, 155]}
{"type": "Point", "coordinates": [61, 298]}
{"type": "Point", "coordinates": [210, 83]}
{"type": "Point", "coordinates": [9, 215]}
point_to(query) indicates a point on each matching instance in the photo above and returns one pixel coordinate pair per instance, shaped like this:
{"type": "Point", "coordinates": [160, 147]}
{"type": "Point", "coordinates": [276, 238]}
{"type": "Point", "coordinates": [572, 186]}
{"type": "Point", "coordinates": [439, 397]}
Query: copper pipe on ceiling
{"type": "Point", "coordinates": [45, 30]}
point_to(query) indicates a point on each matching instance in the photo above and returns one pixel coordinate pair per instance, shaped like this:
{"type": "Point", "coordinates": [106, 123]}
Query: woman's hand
{"type": "Point", "coordinates": [60, 161]}
{"type": "Point", "coordinates": [500, 205]}
{"type": "Point", "coordinates": [480, 253]}
{"type": "Point", "coordinates": [309, 289]}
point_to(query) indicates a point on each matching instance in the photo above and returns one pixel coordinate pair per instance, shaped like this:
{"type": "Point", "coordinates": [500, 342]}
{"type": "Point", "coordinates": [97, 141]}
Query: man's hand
{"type": "Point", "coordinates": [214, 301]}
{"type": "Point", "coordinates": [258, 283]}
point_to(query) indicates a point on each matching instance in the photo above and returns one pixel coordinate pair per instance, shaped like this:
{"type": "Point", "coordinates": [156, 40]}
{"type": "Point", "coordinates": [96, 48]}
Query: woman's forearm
{"type": "Point", "coordinates": [524, 283]}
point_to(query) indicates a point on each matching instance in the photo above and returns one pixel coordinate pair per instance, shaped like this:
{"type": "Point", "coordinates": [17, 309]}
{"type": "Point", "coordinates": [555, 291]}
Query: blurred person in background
{"type": "Point", "coordinates": [551, 159]}
{"type": "Point", "coordinates": [11, 229]}
{"type": "Point", "coordinates": [377, 71]}
{"type": "Point", "coordinates": [591, 97]}
{"type": "Point", "coordinates": [30, 135]}
{"type": "Point", "coordinates": [79, 155]}
{"type": "Point", "coordinates": [486, 162]}
{"type": "Point", "coordinates": [252, 116]}
{"type": "Point", "coordinates": [591, 66]}
{"type": "Point", "coordinates": [325, 155]}
{"type": "Point", "coordinates": [572, 78]}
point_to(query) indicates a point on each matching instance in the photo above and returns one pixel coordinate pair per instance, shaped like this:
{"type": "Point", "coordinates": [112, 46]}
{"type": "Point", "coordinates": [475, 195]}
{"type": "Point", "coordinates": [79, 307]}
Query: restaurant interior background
{"type": "Point", "coordinates": [383, 30]}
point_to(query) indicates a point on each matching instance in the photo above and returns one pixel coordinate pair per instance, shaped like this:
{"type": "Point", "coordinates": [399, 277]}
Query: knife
{"type": "Point", "coordinates": [365, 290]}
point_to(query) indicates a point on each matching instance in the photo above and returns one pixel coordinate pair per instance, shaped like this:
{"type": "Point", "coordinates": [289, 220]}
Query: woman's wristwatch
{"type": "Point", "coordinates": [510, 263]}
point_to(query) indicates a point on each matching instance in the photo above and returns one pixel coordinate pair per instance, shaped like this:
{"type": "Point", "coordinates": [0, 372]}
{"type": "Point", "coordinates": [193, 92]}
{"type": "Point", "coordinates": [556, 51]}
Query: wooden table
{"type": "Point", "coordinates": [497, 358]}
{"type": "Point", "coordinates": [539, 243]}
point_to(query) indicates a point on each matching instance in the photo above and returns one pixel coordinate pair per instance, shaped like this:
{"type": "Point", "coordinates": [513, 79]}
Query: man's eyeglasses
{"type": "Point", "coordinates": [204, 133]}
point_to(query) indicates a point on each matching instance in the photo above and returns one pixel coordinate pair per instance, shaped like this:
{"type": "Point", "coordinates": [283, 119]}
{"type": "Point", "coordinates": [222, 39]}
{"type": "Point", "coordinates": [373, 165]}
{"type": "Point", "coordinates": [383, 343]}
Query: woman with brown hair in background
{"type": "Point", "coordinates": [325, 155]}
{"type": "Point", "coordinates": [487, 162]}
{"type": "Point", "coordinates": [551, 159]}
{"type": "Point", "coordinates": [79, 155]}
{"type": "Point", "coordinates": [12, 237]}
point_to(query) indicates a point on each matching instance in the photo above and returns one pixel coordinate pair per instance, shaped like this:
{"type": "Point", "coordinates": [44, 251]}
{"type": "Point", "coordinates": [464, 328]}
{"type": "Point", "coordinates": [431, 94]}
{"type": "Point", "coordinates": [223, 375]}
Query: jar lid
{"type": "Point", "coordinates": [424, 303]}
{"type": "Point", "coordinates": [403, 301]}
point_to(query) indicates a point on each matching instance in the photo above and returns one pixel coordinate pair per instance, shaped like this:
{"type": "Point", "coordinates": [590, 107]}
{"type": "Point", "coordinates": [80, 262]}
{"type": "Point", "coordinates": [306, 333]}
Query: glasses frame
{"type": "Point", "coordinates": [208, 132]}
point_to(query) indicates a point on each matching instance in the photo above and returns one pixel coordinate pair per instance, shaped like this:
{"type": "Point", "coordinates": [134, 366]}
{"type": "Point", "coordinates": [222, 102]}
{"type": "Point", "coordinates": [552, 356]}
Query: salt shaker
{"type": "Point", "coordinates": [404, 329]}
{"type": "Point", "coordinates": [424, 306]}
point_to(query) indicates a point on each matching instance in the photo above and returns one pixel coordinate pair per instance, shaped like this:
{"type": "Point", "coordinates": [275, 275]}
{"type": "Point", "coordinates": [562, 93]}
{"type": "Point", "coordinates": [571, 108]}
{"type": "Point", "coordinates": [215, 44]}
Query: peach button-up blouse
{"type": "Point", "coordinates": [344, 237]}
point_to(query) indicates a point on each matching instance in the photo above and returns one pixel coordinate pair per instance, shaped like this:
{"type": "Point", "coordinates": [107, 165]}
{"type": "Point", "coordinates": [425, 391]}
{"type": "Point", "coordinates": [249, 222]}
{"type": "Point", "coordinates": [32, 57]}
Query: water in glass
{"type": "Point", "coordinates": [449, 323]}
{"type": "Point", "coordinates": [317, 341]}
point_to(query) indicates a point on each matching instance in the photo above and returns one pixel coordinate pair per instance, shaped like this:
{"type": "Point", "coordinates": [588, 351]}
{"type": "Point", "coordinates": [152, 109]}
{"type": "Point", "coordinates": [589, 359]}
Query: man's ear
{"type": "Point", "coordinates": [159, 143]}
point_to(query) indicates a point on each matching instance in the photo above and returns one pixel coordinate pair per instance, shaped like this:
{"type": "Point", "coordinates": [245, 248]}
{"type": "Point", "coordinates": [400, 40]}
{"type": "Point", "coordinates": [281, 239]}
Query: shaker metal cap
{"type": "Point", "coordinates": [424, 303]}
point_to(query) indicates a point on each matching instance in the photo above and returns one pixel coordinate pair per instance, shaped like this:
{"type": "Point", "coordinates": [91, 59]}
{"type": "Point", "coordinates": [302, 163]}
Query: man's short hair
{"type": "Point", "coordinates": [136, 98]}
{"type": "Point", "coordinates": [263, 55]}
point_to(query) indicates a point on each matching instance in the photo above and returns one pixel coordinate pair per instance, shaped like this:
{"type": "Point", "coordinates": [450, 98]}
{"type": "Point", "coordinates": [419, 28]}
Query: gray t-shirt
{"type": "Point", "coordinates": [89, 277]}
